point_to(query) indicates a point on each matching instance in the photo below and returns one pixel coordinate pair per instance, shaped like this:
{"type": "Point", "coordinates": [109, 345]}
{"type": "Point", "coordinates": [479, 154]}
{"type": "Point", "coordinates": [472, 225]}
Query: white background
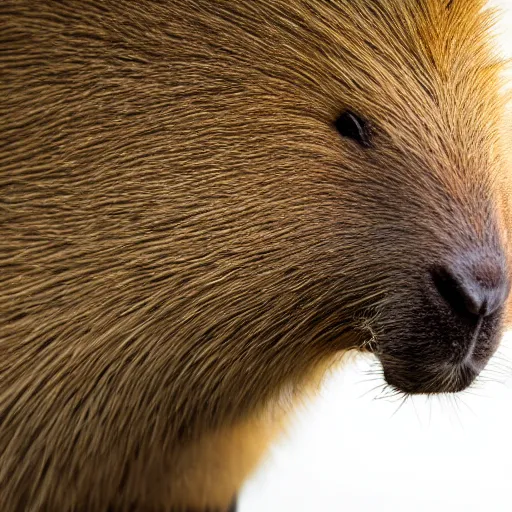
{"type": "Point", "coordinates": [353, 452]}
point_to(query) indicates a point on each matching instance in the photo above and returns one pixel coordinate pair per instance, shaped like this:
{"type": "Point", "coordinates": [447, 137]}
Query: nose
{"type": "Point", "coordinates": [473, 287]}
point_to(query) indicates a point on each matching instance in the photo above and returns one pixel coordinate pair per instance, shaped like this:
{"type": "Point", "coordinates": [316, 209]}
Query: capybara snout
{"type": "Point", "coordinates": [460, 309]}
{"type": "Point", "coordinates": [446, 256]}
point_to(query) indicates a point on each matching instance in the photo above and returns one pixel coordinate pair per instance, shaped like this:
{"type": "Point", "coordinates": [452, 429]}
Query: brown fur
{"type": "Point", "coordinates": [186, 239]}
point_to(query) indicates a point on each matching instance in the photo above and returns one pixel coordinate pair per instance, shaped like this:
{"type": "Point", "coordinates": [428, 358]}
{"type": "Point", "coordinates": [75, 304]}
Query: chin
{"type": "Point", "coordinates": [441, 348]}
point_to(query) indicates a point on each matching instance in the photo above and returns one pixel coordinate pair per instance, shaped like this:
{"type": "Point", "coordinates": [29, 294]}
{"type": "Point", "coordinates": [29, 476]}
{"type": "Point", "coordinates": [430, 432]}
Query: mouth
{"type": "Point", "coordinates": [420, 373]}
{"type": "Point", "coordinates": [448, 379]}
{"type": "Point", "coordinates": [420, 366]}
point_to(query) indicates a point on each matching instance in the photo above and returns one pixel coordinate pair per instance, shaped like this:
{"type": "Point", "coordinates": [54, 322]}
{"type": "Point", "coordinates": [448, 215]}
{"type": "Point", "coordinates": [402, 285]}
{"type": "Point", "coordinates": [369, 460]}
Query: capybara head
{"type": "Point", "coordinates": [217, 195]}
{"type": "Point", "coordinates": [203, 202]}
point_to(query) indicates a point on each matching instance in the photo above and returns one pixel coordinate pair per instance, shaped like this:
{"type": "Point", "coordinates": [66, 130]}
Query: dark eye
{"type": "Point", "coordinates": [352, 126]}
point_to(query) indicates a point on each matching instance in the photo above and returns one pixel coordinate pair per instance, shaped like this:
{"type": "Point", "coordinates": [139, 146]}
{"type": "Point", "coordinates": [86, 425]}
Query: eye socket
{"type": "Point", "coordinates": [353, 127]}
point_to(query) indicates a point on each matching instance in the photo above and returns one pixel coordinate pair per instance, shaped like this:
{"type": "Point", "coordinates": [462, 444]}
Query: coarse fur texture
{"type": "Point", "coordinates": [186, 240]}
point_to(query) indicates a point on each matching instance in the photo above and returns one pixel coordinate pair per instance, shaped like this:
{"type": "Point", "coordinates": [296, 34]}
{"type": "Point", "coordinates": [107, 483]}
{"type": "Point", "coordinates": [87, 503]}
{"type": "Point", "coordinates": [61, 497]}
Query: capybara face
{"type": "Point", "coordinates": [402, 202]}
{"type": "Point", "coordinates": [421, 183]}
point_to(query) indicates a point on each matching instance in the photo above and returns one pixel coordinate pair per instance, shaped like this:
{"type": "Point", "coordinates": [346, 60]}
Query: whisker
{"type": "Point", "coordinates": [405, 398]}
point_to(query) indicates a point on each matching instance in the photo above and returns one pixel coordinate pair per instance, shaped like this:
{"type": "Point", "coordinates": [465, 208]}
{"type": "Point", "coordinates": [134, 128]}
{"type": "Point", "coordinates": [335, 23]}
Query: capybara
{"type": "Point", "coordinates": [204, 203]}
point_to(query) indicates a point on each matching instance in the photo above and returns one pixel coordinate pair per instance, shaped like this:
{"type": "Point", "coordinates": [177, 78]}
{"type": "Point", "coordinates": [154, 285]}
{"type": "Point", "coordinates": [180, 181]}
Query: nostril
{"type": "Point", "coordinates": [453, 290]}
{"type": "Point", "coordinates": [476, 291]}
